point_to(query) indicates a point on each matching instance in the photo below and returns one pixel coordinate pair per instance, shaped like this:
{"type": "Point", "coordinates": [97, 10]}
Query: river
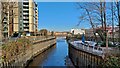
{"type": "Point", "coordinates": [55, 56]}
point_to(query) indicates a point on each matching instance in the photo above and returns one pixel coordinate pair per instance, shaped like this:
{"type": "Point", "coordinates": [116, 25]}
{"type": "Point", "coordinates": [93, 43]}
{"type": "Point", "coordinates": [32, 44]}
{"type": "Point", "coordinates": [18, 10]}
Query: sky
{"type": "Point", "coordinates": [59, 16]}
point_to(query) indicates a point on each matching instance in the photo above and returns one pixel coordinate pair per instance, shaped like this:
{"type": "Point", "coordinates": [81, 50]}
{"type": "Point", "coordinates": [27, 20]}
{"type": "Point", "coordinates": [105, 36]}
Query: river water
{"type": "Point", "coordinates": [55, 56]}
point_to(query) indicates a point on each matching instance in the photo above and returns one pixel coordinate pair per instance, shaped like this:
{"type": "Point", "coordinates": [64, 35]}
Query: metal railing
{"type": "Point", "coordinates": [100, 51]}
{"type": "Point", "coordinates": [88, 49]}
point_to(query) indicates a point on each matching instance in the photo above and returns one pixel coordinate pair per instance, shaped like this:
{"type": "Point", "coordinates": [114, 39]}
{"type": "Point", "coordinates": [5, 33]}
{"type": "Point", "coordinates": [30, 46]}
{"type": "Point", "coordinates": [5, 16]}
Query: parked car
{"type": "Point", "coordinates": [15, 36]}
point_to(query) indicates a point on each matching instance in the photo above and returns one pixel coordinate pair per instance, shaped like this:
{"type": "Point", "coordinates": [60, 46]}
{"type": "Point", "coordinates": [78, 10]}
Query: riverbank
{"type": "Point", "coordinates": [40, 58]}
{"type": "Point", "coordinates": [56, 56]}
{"type": "Point", "coordinates": [38, 46]}
{"type": "Point", "coordinates": [90, 56]}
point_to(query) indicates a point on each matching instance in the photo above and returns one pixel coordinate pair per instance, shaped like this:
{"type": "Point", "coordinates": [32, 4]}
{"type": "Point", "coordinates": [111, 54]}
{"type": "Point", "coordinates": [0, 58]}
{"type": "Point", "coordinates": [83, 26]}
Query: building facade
{"type": "Point", "coordinates": [78, 31]}
{"type": "Point", "coordinates": [26, 17]}
{"type": "Point", "coordinates": [21, 19]}
{"type": "Point", "coordinates": [89, 32]}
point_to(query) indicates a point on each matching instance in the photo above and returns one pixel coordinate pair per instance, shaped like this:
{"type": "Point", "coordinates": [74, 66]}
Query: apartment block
{"type": "Point", "coordinates": [22, 18]}
{"type": "Point", "coordinates": [26, 17]}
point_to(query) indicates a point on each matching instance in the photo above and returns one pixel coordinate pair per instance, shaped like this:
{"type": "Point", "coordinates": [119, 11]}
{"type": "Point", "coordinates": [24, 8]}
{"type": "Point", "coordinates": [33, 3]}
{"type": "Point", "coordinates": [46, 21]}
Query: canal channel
{"type": "Point", "coordinates": [55, 56]}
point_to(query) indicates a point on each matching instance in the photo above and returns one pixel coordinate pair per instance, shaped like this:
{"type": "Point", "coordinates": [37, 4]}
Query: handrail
{"type": "Point", "coordinates": [88, 49]}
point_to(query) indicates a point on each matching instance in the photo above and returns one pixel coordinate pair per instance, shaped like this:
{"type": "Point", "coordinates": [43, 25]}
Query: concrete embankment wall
{"type": "Point", "coordinates": [38, 47]}
{"type": "Point", "coordinates": [82, 58]}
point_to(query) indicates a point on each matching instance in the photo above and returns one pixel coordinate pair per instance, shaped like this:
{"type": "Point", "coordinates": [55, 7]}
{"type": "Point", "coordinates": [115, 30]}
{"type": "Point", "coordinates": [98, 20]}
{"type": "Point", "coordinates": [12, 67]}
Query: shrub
{"type": "Point", "coordinates": [13, 48]}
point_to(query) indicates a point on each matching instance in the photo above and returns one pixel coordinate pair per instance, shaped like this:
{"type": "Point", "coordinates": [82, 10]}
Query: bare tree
{"type": "Point", "coordinates": [100, 13]}
{"type": "Point", "coordinates": [5, 7]}
{"type": "Point", "coordinates": [118, 11]}
{"type": "Point", "coordinates": [112, 21]}
{"type": "Point", "coordinates": [116, 14]}
{"type": "Point", "coordinates": [95, 12]}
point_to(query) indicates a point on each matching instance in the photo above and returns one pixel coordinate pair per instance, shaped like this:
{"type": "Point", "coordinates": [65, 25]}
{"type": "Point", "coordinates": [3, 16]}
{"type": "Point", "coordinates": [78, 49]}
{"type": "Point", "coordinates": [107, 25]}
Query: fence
{"type": "Point", "coordinates": [82, 58]}
{"type": "Point", "coordinates": [83, 55]}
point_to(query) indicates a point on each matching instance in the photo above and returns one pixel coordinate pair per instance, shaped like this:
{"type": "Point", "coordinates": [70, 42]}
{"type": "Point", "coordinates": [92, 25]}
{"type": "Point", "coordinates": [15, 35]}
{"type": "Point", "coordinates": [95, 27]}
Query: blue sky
{"type": "Point", "coordinates": [59, 16]}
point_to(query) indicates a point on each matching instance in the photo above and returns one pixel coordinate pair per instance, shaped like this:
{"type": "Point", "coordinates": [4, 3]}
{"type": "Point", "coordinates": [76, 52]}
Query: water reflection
{"type": "Point", "coordinates": [55, 56]}
{"type": "Point", "coordinates": [40, 58]}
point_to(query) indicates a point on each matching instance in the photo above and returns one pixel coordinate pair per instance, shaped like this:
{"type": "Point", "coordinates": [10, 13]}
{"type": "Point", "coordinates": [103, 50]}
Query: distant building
{"type": "Point", "coordinates": [89, 32]}
{"type": "Point", "coordinates": [49, 33]}
{"type": "Point", "coordinates": [44, 32]}
{"type": "Point", "coordinates": [64, 33]}
{"type": "Point", "coordinates": [78, 31]}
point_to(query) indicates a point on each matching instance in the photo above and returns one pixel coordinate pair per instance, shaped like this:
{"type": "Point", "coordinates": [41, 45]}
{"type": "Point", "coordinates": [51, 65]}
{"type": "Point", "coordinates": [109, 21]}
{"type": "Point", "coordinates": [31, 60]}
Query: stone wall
{"type": "Point", "coordinates": [82, 58]}
{"type": "Point", "coordinates": [38, 47]}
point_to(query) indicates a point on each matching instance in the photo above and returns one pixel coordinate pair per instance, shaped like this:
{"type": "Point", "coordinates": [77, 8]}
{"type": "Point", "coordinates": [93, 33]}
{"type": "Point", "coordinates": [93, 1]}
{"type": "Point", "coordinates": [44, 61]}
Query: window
{"type": "Point", "coordinates": [20, 11]}
{"type": "Point", "coordinates": [20, 15]}
{"type": "Point", "coordinates": [20, 28]}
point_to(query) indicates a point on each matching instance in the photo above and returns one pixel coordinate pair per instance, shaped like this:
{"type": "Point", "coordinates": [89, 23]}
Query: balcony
{"type": "Point", "coordinates": [25, 13]}
{"type": "Point", "coordinates": [4, 20]}
{"type": "Point", "coordinates": [25, 6]}
{"type": "Point", "coordinates": [25, 9]}
{"type": "Point", "coordinates": [25, 21]}
{"type": "Point", "coordinates": [6, 31]}
{"type": "Point", "coordinates": [26, 25]}
{"type": "Point", "coordinates": [25, 17]}
{"type": "Point", "coordinates": [26, 29]}
{"type": "Point", "coordinates": [25, 1]}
